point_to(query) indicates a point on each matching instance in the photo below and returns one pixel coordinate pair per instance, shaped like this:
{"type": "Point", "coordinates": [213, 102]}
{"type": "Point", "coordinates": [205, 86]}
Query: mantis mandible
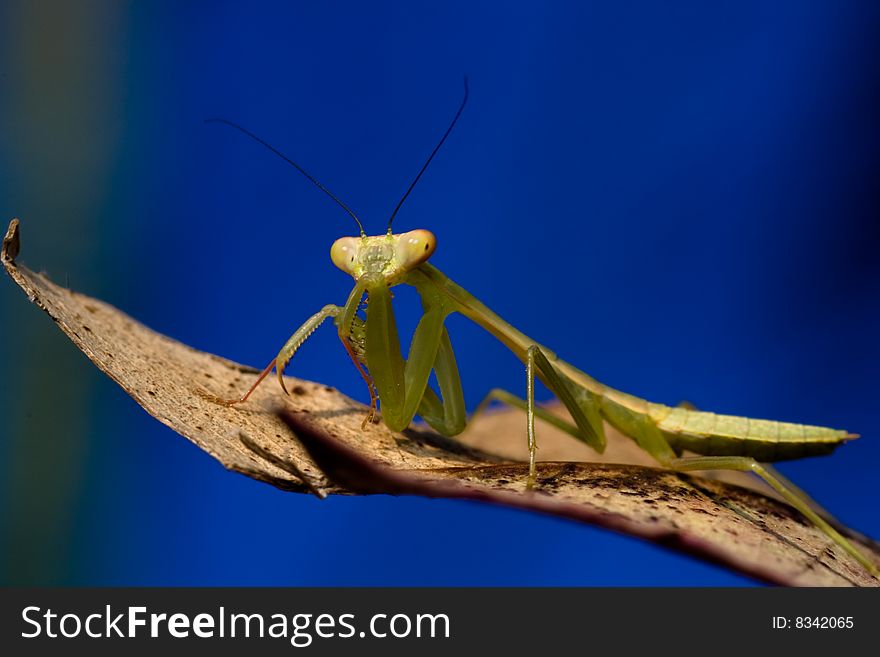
{"type": "Point", "coordinates": [379, 262]}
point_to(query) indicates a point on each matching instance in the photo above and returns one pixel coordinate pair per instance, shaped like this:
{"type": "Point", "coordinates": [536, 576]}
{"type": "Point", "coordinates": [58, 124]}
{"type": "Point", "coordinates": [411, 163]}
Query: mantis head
{"type": "Point", "coordinates": [383, 256]}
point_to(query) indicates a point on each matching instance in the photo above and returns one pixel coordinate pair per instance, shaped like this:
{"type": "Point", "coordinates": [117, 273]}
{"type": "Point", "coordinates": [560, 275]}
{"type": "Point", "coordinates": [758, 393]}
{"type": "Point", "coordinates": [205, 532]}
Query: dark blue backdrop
{"type": "Point", "coordinates": [680, 198]}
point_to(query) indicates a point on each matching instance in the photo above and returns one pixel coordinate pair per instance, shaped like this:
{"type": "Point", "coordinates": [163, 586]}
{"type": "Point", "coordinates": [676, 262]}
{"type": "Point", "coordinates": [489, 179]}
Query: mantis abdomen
{"type": "Point", "coordinates": [712, 434]}
{"type": "Point", "coordinates": [764, 440]}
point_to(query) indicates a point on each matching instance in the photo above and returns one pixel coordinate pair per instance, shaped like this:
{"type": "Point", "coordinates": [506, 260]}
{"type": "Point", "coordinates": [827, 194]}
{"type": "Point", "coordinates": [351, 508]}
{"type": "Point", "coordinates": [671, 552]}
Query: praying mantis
{"type": "Point", "coordinates": [377, 263]}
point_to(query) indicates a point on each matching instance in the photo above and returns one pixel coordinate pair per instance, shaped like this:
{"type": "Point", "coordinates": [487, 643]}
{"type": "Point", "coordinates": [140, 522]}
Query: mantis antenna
{"type": "Point", "coordinates": [433, 153]}
{"type": "Point", "coordinates": [298, 167]}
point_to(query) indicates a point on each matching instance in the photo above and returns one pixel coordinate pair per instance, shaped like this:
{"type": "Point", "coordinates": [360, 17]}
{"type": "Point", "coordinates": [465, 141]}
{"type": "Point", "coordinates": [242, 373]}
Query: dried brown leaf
{"type": "Point", "coordinates": [312, 441]}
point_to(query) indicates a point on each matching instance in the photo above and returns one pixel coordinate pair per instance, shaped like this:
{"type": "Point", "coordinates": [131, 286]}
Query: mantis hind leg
{"type": "Point", "coordinates": [649, 436]}
{"type": "Point", "coordinates": [403, 384]}
{"type": "Point", "coordinates": [818, 508]}
{"type": "Point", "coordinates": [791, 494]}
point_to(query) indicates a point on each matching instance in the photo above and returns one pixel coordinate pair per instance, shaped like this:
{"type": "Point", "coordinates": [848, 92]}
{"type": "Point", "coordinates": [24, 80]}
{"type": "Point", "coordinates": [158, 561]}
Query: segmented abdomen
{"type": "Point", "coordinates": [711, 434]}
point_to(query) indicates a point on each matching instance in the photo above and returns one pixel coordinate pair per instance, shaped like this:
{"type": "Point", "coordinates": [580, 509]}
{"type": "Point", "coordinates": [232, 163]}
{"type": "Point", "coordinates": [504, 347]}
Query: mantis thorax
{"type": "Point", "coordinates": [387, 257]}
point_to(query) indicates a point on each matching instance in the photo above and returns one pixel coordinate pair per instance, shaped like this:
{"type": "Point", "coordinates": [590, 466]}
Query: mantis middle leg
{"type": "Point", "coordinates": [509, 399]}
{"type": "Point", "coordinates": [581, 404]}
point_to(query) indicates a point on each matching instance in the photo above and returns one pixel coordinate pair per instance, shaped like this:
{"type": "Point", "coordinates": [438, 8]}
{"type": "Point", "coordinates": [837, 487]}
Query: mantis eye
{"type": "Point", "coordinates": [344, 253]}
{"type": "Point", "coordinates": [415, 247]}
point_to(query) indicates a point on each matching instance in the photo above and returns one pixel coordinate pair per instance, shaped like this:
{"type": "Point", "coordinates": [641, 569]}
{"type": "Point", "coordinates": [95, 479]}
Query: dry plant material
{"type": "Point", "coordinates": [312, 441]}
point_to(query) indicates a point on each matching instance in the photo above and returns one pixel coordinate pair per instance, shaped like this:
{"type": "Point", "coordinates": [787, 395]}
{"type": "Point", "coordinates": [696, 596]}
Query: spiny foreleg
{"type": "Point", "coordinates": [282, 359]}
{"type": "Point", "coordinates": [355, 347]}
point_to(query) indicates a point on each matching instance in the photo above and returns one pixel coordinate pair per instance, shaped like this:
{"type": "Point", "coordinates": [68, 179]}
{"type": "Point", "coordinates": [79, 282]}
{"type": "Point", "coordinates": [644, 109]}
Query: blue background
{"type": "Point", "coordinates": [680, 198]}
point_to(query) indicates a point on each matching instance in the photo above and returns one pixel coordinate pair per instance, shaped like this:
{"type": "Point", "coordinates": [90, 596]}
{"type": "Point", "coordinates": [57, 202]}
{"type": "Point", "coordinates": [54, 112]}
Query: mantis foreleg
{"type": "Point", "coordinates": [280, 361]}
{"type": "Point", "coordinates": [296, 340]}
{"type": "Point", "coordinates": [449, 414]}
{"type": "Point", "coordinates": [290, 348]}
{"type": "Point", "coordinates": [403, 384]}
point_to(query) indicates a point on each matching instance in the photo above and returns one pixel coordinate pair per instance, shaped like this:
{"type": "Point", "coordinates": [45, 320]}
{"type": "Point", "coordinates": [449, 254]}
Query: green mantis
{"type": "Point", "coordinates": [378, 263]}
